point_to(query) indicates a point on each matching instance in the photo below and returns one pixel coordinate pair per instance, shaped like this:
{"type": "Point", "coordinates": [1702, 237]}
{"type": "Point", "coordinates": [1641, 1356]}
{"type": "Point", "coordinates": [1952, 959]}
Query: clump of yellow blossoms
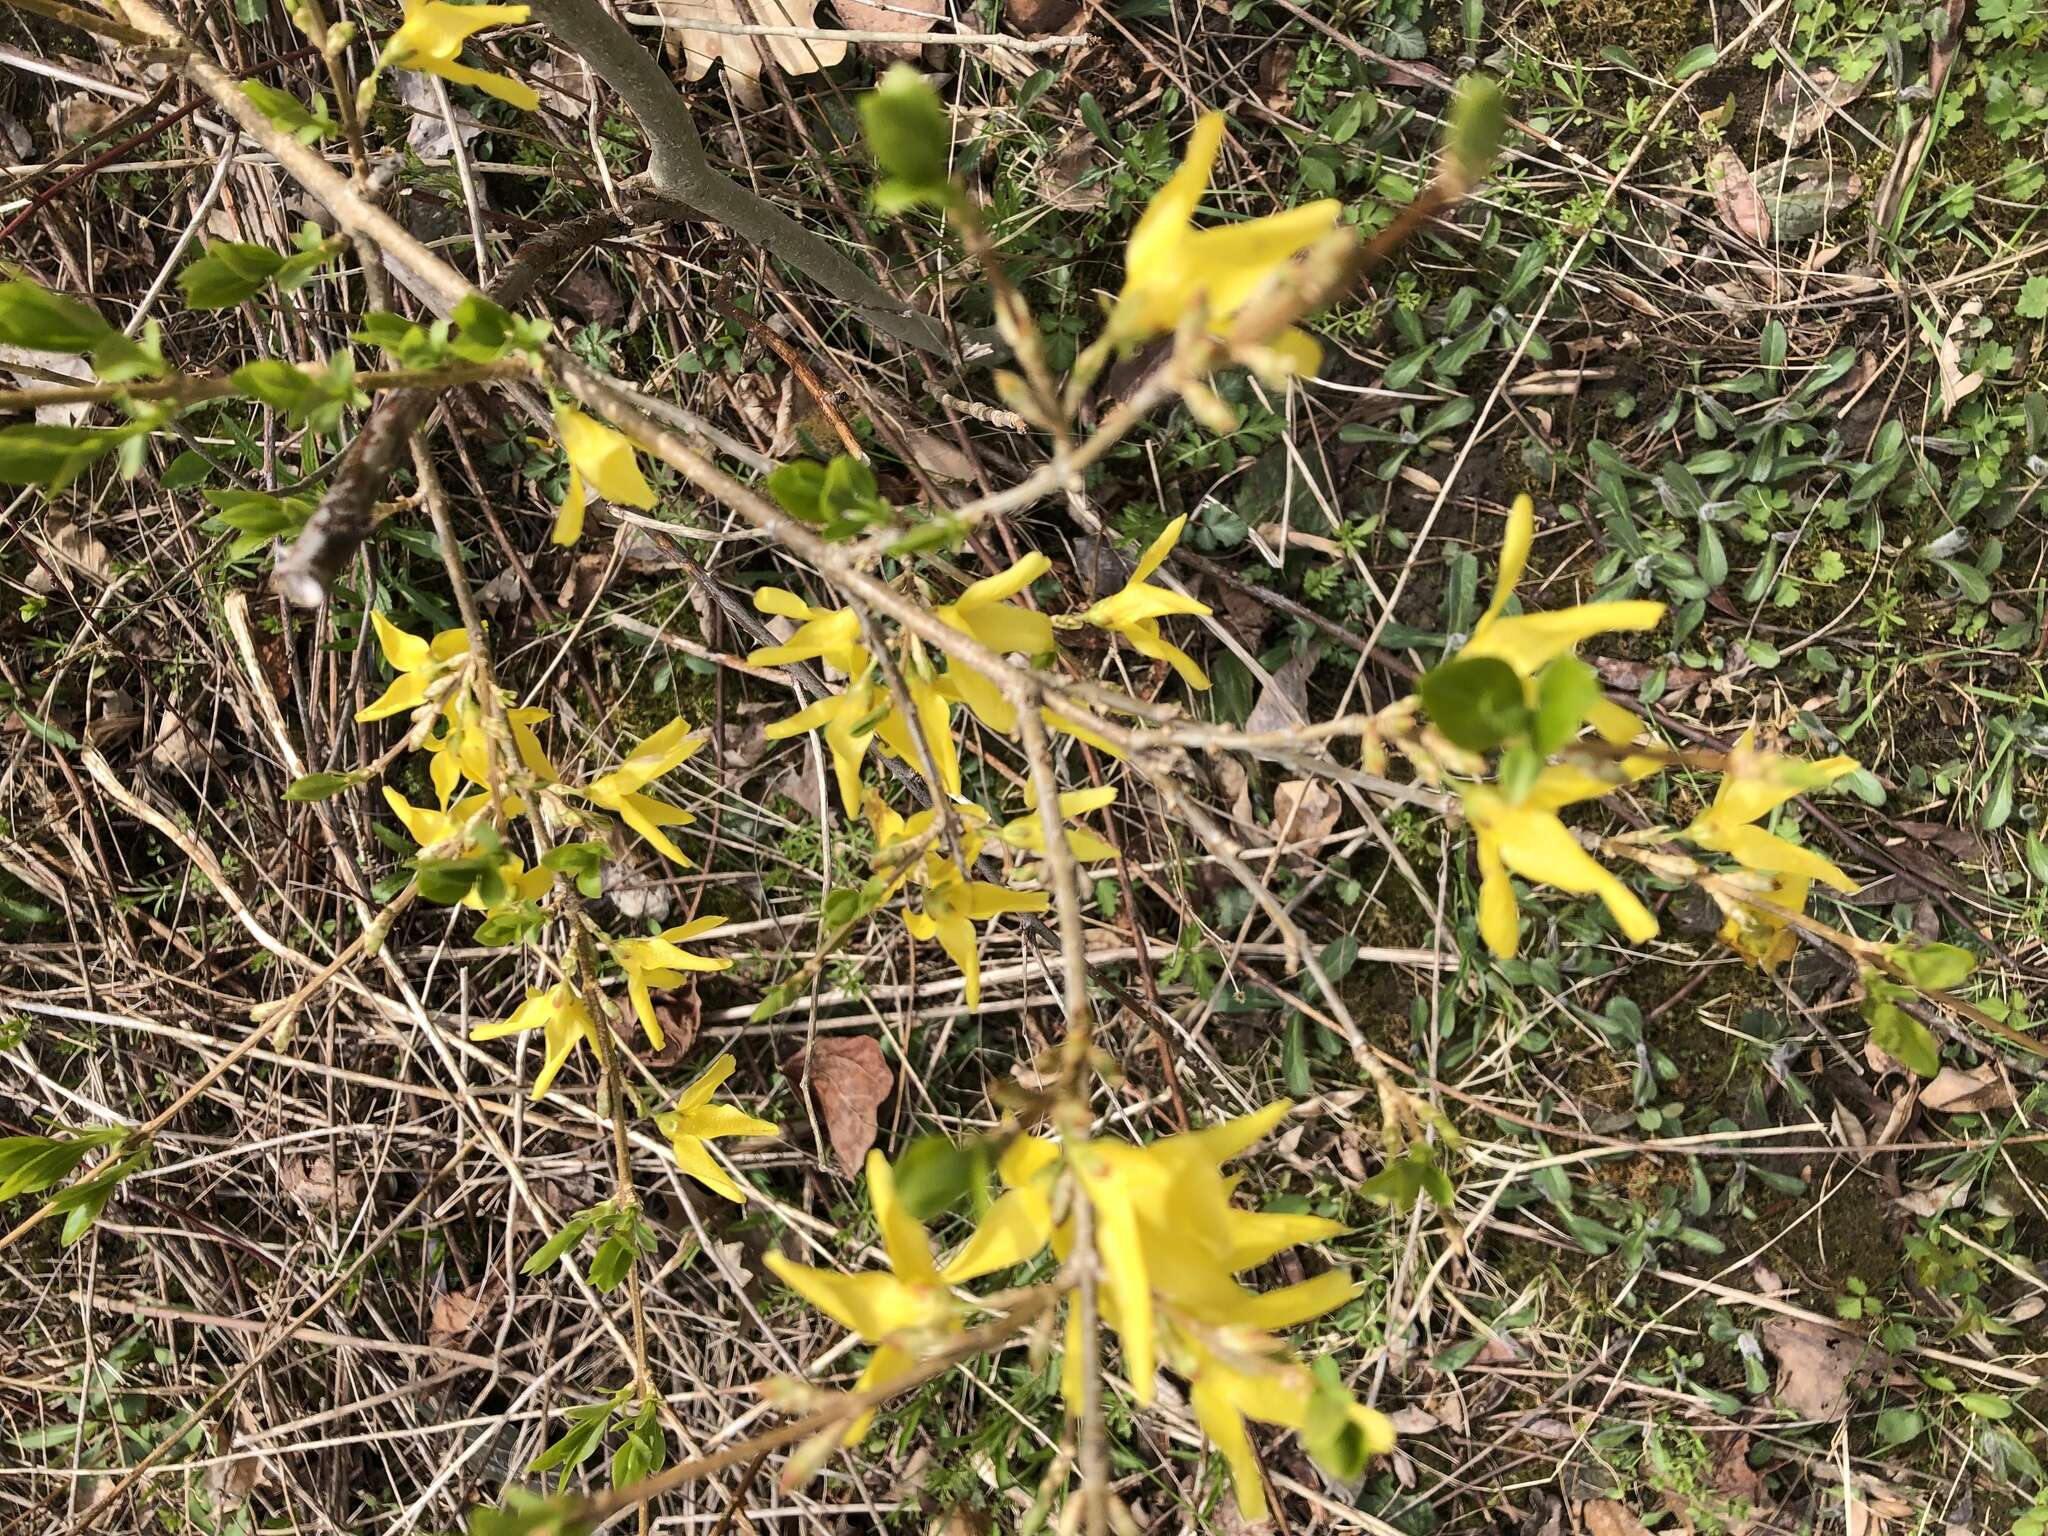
{"type": "Point", "coordinates": [1534, 700]}
{"type": "Point", "coordinates": [1172, 1248]}
{"type": "Point", "coordinates": [1170, 267]}
{"type": "Point", "coordinates": [434, 32]}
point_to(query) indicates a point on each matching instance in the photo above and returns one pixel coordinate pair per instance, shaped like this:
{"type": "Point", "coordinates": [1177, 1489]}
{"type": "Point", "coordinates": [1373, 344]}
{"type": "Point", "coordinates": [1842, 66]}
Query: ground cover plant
{"type": "Point", "coordinates": [1043, 767]}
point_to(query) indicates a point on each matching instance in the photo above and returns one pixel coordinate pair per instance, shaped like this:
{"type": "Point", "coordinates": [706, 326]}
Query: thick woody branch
{"type": "Point", "coordinates": [680, 170]}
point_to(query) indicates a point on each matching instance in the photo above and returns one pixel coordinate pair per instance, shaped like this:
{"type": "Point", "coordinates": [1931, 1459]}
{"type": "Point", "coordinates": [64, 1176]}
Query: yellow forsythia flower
{"type": "Point", "coordinates": [985, 611]}
{"type": "Point", "coordinates": [417, 662]}
{"type": "Point", "coordinates": [1526, 838]}
{"type": "Point", "coordinates": [1762, 937]}
{"type": "Point", "coordinates": [853, 718]}
{"type": "Point", "coordinates": [459, 750]}
{"type": "Point", "coordinates": [1529, 642]}
{"type": "Point", "coordinates": [1027, 833]}
{"type": "Point", "coordinates": [448, 829]}
{"type": "Point", "coordinates": [598, 457]}
{"type": "Point", "coordinates": [696, 1120]}
{"type": "Point", "coordinates": [559, 1013]}
{"type": "Point", "coordinates": [1136, 611]}
{"type": "Point", "coordinates": [1169, 265]}
{"type": "Point", "coordinates": [620, 790]}
{"type": "Point", "coordinates": [1752, 786]}
{"type": "Point", "coordinates": [433, 34]}
{"type": "Point", "coordinates": [1172, 1246]}
{"type": "Point", "coordinates": [659, 962]}
{"type": "Point", "coordinates": [848, 719]}
{"type": "Point", "coordinates": [895, 1310]}
{"type": "Point", "coordinates": [831, 635]}
{"type": "Point", "coordinates": [934, 723]}
{"type": "Point", "coordinates": [951, 903]}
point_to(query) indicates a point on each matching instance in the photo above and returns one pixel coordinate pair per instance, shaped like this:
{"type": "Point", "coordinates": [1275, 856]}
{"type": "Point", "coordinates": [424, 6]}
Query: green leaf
{"type": "Point", "coordinates": [557, 1246]}
{"type": "Point", "coordinates": [1699, 59]}
{"type": "Point", "coordinates": [256, 518]}
{"type": "Point", "coordinates": [1478, 118]}
{"type": "Point", "coordinates": [644, 1451]}
{"type": "Point", "coordinates": [1092, 118]}
{"type": "Point", "coordinates": [777, 998]}
{"type": "Point", "coordinates": [288, 114]}
{"type": "Point", "coordinates": [1974, 587]}
{"type": "Point", "coordinates": [581, 862]}
{"type": "Point", "coordinates": [313, 396]}
{"type": "Point", "coordinates": [118, 359]}
{"type": "Point", "coordinates": [229, 272]}
{"type": "Point", "coordinates": [410, 345]}
{"type": "Point", "coordinates": [1330, 1434]}
{"type": "Point", "coordinates": [446, 882]}
{"type": "Point", "coordinates": [1895, 1426]}
{"type": "Point", "coordinates": [935, 1173]}
{"type": "Point", "coordinates": [31, 1164]}
{"type": "Point", "coordinates": [487, 331]}
{"type": "Point", "coordinates": [1933, 967]}
{"type": "Point", "coordinates": [586, 1431]}
{"type": "Point", "coordinates": [518, 924]}
{"type": "Point", "coordinates": [1566, 692]}
{"type": "Point", "coordinates": [2032, 303]}
{"type": "Point", "coordinates": [1986, 1405]}
{"type": "Point", "coordinates": [799, 489]}
{"type": "Point", "coordinates": [1477, 703]}
{"type": "Point", "coordinates": [34, 317]}
{"type": "Point", "coordinates": [525, 1513]}
{"type": "Point", "coordinates": [53, 457]}
{"type": "Point", "coordinates": [320, 786]}
{"type": "Point", "coordinates": [909, 134]}
{"type": "Point", "coordinates": [1294, 1066]}
{"type": "Point", "coordinates": [935, 533]}
{"type": "Point", "coordinates": [614, 1260]}
{"type": "Point", "coordinates": [1898, 1034]}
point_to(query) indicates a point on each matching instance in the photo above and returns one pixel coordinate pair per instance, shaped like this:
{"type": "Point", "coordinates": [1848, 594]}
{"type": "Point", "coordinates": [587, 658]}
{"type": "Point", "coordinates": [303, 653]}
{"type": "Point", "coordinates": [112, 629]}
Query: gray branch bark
{"type": "Point", "coordinates": [680, 170]}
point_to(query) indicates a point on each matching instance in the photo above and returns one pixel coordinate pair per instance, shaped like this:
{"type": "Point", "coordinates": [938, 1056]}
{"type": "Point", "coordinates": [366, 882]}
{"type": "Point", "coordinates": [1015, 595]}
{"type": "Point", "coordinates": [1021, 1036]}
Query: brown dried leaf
{"type": "Point", "coordinates": [745, 56]}
{"type": "Point", "coordinates": [1733, 1477]}
{"type": "Point", "coordinates": [1304, 811]}
{"type": "Point", "coordinates": [1956, 1091]}
{"type": "Point", "coordinates": [452, 1319]}
{"type": "Point", "coordinates": [1956, 386]}
{"type": "Point", "coordinates": [1061, 172]}
{"type": "Point", "coordinates": [1610, 1517]}
{"type": "Point", "coordinates": [80, 117]}
{"type": "Point", "coordinates": [1035, 18]}
{"type": "Point", "coordinates": [181, 745]}
{"type": "Point", "coordinates": [909, 17]}
{"type": "Point", "coordinates": [32, 369]}
{"type": "Point", "coordinates": [1742, 210]}
{"type": "Point", "coordinates": [850, 1079]}
{"type": "Point", "coordinates": [229, 1483]}
{"type": "Point", "coordinates": [314, 1183]}
{"type": "Point", "coordinates": [69, 553]}
{"type": "Point", "coordinates": [1283, 703]}
{"type": "Point", "coordinates": [1795, 110]}
{"type": "Point", "coordinates": [1816, 1366]}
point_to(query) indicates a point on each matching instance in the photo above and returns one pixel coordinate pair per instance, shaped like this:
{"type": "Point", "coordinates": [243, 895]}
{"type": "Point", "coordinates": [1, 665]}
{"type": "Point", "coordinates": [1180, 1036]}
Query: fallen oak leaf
{"type": "Point", "coordinates": [1742, 210]}
{"type": "Point", "coordinates": [1610, 1517]}
{"type": "Point", "coordinates": [745, 55]}
{"type": "Point", "coordinates": [1795, 109]}
{"type": "Point", "coordinates": [850, 1079]}
{"type": "Point", "coordinates": [909, 17]}
{"type": "Point", "coordinates": [453, 1318]}
{"type": "Point", "coordinates": [1816, 1367]}
{"type": "Point", "coordinates": [1971, 1091]}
